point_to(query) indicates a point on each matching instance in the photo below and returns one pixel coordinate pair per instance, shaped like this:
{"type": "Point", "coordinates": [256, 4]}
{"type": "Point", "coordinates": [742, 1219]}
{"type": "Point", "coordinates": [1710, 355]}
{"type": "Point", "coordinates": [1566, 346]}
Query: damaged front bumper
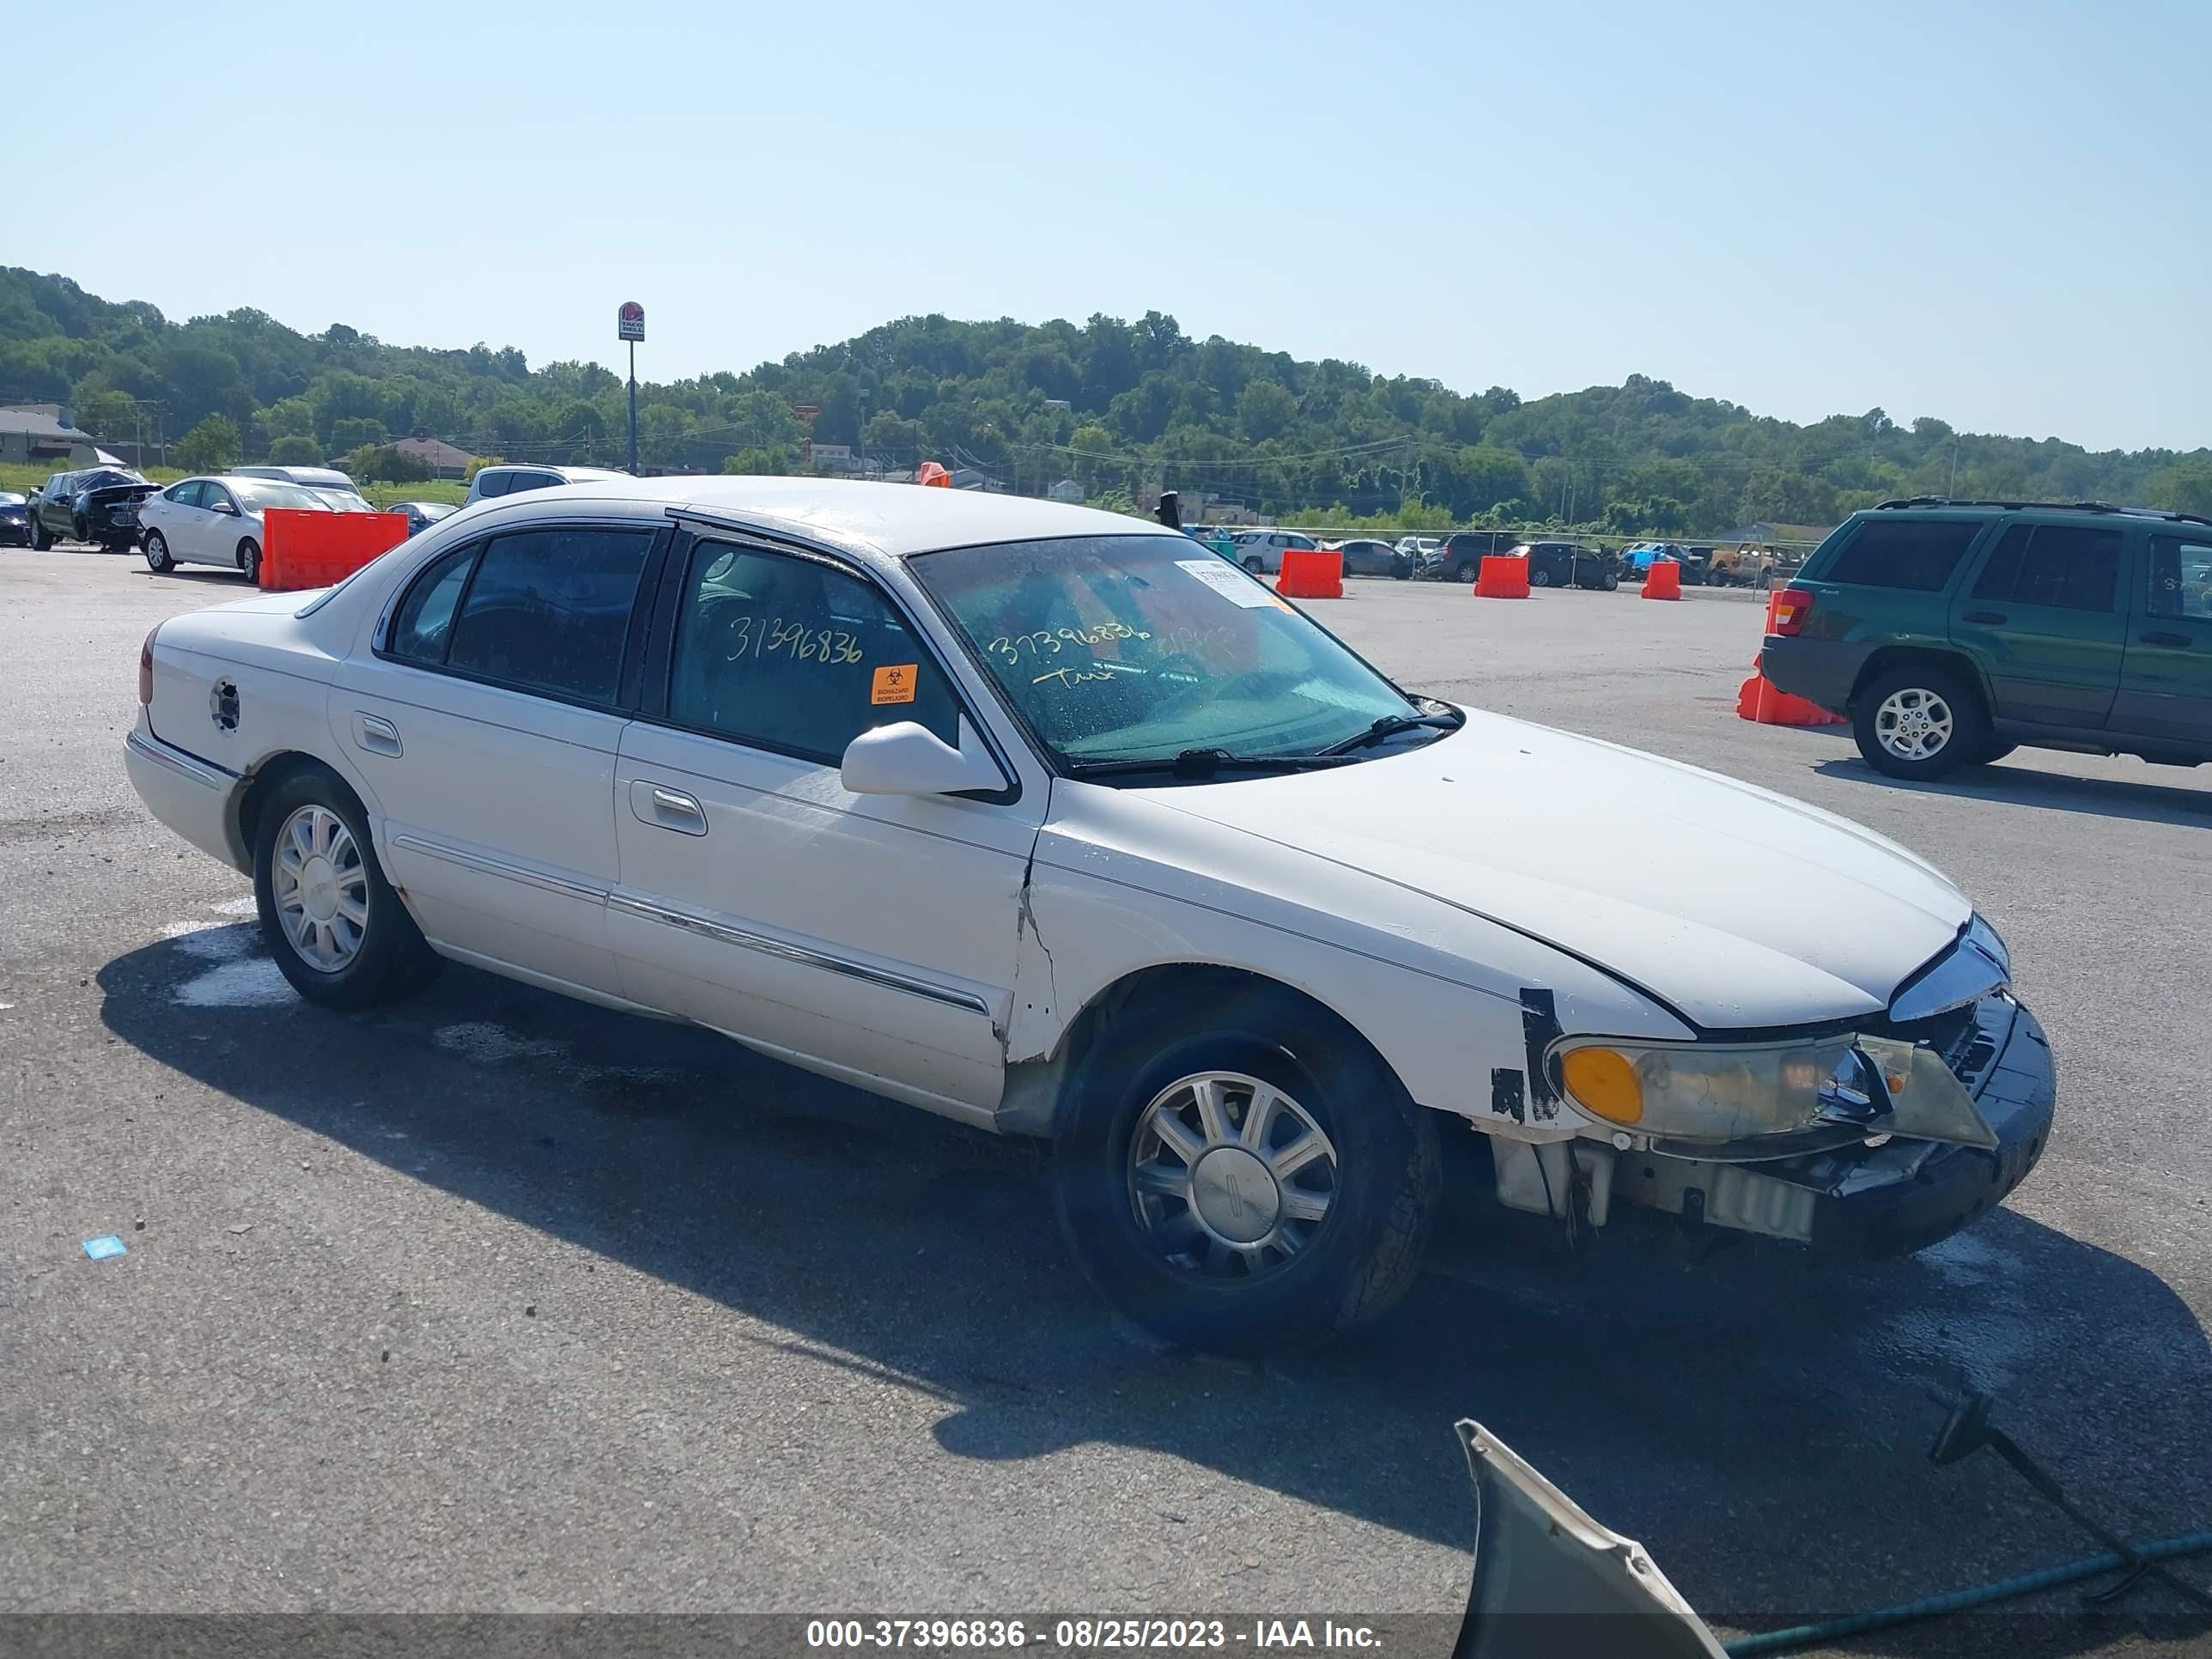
{"type": "Point", "coordinates": [1895, 1196]}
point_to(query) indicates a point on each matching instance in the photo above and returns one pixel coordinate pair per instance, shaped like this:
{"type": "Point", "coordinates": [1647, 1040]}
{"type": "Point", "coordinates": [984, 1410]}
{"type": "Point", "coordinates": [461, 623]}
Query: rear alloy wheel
{"type": "Point", "coordinates": [1917, 722]}
{"type": "Point", "coordinates": [335, 926]}
{"type": "Point", "coordinates": [1238, 1176]}
{"type": "Point", "coordinates": [157, 554]}
{"type": "Point", "coordinates": [249, 560]}
{"type": "Point", "coordinates": [1462, 572]}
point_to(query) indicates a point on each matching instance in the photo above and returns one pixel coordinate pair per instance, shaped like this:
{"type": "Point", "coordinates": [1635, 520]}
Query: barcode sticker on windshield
{"type": "Point", "coordinates": [1226, 580]}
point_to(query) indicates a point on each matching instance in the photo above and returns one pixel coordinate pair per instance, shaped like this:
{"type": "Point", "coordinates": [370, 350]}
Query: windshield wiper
{"type": "Point", "coordinates": [1389, 727]}
{"type": "Point", "coordinates": [1202, 762]}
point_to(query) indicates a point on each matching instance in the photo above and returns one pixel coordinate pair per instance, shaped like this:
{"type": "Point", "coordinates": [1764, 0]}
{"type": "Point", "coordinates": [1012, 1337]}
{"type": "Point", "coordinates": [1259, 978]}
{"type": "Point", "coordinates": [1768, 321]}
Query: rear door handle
{"type": "Point", "coordinates": [1983, 616]}
{"type": "Point", "coordinates": [377, 734]}
{"type": "Point", "coordinates": [666, 808]}
{"type": "Point", "coordinates": [2179, 641]}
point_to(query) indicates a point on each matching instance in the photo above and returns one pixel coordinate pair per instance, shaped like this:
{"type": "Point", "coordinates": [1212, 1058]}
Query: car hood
{"type": "Point", "coordinates": [1733, 906]}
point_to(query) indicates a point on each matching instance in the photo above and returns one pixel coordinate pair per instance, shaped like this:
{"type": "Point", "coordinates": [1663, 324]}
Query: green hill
{"type": "Point", "coordinates": [1123, 408]}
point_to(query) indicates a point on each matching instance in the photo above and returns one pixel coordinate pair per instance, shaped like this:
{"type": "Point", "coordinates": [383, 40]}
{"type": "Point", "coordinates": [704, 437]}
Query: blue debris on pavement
{"type": "Point", "coordinates": [106, 1245]}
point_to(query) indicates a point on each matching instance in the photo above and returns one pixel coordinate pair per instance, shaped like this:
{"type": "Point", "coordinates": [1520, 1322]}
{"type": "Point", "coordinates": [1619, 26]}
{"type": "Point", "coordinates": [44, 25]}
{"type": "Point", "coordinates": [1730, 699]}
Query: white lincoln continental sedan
{"type": "Point", "coordinates": [1063, 825]}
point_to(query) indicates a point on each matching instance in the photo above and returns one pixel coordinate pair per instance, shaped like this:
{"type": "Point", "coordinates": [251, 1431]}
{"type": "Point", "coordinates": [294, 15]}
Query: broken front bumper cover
{"type": "Point", "coordinates": [1851, 1198]}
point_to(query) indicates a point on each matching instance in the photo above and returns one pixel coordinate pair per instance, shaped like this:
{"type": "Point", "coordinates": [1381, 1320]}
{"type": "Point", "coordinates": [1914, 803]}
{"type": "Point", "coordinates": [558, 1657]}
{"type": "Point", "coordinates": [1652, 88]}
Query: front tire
{"type": "Point", "coordinates": [1240, 1175]}
{"type": "Point", "coordinates": [249, 560]}
{"type": "Point", "coordinates": [335, 926]}
{"type": "Point", "coordinates": [1253, 566]}
{"type": "Point", "coordinates": [1540, 579]}
{"type": "Point", "coordinates": [157, 554]}
{"type": "Point", "coordinates": [1920, 723]}
{"type": "Point", "coordinates": [41, 539]}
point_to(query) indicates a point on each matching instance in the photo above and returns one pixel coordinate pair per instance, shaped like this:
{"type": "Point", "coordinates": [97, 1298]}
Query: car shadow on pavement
{"type": "Point", "coordinates": [1753, 1420]}
{"type": "Point", "coordinates": [2060, 792]}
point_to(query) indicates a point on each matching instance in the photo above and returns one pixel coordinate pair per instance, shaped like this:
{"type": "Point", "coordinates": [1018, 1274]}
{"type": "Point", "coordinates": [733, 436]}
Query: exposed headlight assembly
{"type": "Point", "coordinates": [1748, 1101]}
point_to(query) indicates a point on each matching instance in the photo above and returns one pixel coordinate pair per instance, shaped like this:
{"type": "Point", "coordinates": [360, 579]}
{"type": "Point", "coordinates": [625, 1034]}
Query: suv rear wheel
{"type": "Point", "coordinates": [1920, 722]}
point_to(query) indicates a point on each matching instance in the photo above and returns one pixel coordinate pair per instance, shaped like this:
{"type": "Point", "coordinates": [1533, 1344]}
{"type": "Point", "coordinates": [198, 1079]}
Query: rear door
{"type": "Point", "coordinates": [485, 720]}
{"type": "Point", "coordinates": [2166, 680]}
{"type": "Point", "coordinates": [2042, 612]}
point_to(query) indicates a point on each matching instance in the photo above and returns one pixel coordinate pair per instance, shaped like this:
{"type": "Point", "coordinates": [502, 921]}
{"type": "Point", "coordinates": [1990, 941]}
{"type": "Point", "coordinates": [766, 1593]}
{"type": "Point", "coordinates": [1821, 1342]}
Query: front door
{"type": "Point", "coordinates": [2165, 683]}
{"type": "Point", "coordinates": [2043, 615]}
{"type": "Point", "coordinates": [485, 725]}
{"type": "Point", "coordinates": [869, 936]}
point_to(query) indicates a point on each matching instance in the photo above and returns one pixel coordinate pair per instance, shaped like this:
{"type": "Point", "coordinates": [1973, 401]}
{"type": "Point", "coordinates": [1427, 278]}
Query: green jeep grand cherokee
{"type": "Point", "coordinates": [1948, 632]}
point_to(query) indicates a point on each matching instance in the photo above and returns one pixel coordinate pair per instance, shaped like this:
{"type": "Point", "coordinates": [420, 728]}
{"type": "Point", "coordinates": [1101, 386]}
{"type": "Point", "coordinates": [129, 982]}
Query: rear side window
{"type": "Point", "coordinates": [2181, 576]}
{"type": "Point", "coordinates": [1918, 554]}
{"type": "Point", "coordinates": [549, 611]}
{"type": "Point", "coordinates": [493, 483]}
{"type": "Point", "coordinates": [424, 627]}
{"type": "Point", "coordinates": [2069, 566]}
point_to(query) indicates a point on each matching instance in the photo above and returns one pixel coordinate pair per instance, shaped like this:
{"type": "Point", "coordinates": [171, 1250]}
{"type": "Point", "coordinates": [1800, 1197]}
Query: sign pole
{"type": "Point", "coordinates": [629, 325]}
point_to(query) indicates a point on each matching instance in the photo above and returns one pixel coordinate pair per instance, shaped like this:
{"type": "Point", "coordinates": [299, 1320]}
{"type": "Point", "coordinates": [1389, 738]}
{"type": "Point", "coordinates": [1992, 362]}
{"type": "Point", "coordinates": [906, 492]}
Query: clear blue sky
{"type": "Point", "coordinates": [1998, 213]}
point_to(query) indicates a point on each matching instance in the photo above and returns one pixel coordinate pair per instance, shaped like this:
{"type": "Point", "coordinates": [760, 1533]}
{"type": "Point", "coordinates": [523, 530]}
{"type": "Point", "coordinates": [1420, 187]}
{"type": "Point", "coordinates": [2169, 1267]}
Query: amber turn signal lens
{"type": "Point", "coordinates": [1603, 1082]}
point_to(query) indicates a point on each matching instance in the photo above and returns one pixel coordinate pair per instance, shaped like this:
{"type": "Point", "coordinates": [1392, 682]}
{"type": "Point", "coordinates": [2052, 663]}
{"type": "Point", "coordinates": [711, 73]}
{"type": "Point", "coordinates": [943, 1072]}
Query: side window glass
{"type": "Point", "coordinates": [2074, 567]}
{"type": "Point", "coordinates": [2002, 573]}
{"type": "Point", "coordinates": [1918, 554]}
{"type": "Point", "coordinates": [493, 483]}
{"type": "Point", "coordinates": [790, 655]}
{"type": "Point", "coordinates": [549, 611]}
{"type": "Point", "coordinates": [186, 493]}
{"type": "Point", "coordinates": [424, 625]}
{"type": "Point", "coordinates": [2181, 577]}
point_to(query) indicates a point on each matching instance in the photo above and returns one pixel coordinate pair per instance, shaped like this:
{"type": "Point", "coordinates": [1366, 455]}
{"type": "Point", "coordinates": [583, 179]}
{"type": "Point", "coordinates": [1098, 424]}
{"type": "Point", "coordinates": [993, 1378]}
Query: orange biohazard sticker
{"type": "Point", "coordinates": [894, 683]}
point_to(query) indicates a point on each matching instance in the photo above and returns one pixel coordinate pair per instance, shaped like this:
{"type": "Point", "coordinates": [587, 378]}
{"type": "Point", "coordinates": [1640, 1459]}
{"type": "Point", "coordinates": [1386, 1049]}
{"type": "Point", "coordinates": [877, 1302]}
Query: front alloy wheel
{"type": "Point", "coordinates": [1237, 1170]}
{"type": "Point", "coordinates": [1229, 1177]}
{"type": "Point", "coordinates": [157, 553]}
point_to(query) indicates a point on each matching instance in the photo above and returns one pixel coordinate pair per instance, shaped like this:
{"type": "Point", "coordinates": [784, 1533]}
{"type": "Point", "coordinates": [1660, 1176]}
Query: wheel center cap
{"type": "Point", "coordinates": [1236, 1195]}
{"type": "Point", "coordinates": [318, 889]}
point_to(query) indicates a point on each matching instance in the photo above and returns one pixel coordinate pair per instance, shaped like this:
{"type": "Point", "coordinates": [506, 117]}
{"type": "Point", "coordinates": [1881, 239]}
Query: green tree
{"type": "Point", "coordinates": [289, 417]}
{"type": "Point", "coordinates": [211, 446]}
{"type": "Point", "coordinates": [2184, 487]}
{"type": "Point", "coordinates": [108, 415]}
{"type": "Point", "coordinates": [356, 432]}
{"type": "Point", "coordinates": [1265, 409]}
{"type": "Point", "coordinates": [295, 449]}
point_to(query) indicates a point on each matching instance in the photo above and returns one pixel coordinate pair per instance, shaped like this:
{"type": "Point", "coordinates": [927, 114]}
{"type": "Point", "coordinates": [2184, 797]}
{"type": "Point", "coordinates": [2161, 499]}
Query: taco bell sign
{"type": "Point", "coordinates": [631, 322]}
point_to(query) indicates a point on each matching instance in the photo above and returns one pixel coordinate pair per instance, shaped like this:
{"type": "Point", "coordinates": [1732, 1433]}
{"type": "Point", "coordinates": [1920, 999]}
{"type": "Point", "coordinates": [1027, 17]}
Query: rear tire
{"type": "Point", "coordinates": [1268, 1252]}
{"type": "Point", "coordinates": [1920, 723]}
{"type": "Point", "coordinates": [249, 560]}
{"type": "Point", "coordinates": [335, 926]}
{"type": "Point", "coordinates": [157, 554]}
{"type": "Point", "coordinates": [1462, 572]}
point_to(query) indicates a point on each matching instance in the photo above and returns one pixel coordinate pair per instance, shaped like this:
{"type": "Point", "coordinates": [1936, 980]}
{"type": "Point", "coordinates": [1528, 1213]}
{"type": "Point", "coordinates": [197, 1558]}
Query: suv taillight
{"type": "Point", "coordinates": [1787, 613]}
{"type": "Point", "coordinates": [146, 668]}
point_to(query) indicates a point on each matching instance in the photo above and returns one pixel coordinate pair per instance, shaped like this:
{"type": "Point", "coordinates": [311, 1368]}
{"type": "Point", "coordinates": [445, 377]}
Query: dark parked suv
{"type": "Point", "coordinates": [1949, 632]}
{"type": "Point", "coordinates": [1569, 564]}
{"type": "Point", "coordinates": [99, 504]}
{"type": "Point", "coordinates": [1462, 555]}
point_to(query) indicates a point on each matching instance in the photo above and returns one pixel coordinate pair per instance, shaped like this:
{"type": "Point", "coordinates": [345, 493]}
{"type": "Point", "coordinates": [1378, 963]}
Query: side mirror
{"type": "Point", "coordinates": [225, 506]}
{"type": "Point", "coordinates": [906, 758]}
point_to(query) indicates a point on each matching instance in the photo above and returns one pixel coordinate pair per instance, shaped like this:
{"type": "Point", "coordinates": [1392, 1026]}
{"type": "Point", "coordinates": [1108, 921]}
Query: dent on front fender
{"type": "Point", "coordinates": [1446, 999]}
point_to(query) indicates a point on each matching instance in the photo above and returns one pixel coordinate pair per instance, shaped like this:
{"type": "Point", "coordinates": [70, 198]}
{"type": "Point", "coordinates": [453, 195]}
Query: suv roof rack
{"type": "Point", "coordinates": [2046, 507]}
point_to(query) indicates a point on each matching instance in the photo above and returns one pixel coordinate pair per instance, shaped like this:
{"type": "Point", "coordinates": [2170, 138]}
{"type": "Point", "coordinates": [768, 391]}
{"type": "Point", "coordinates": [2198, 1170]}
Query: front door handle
{"type": "Point", "coordinates": [2179, 641]}
{"type": "Point", "coordinates": [376, 734]}
{"type": "Point", "coordinates": [1982, 617]}
{"type": "Point", "coordinates": [666, 808]}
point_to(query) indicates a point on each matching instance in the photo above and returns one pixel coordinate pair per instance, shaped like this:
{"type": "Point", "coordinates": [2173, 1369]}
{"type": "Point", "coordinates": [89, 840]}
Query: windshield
{"type": "Point", "coordinates": [344, 500]}
{"type": "Point", "coordinates": [1128, 647]}
{"type": "Point", "coordinates": [260, 495]}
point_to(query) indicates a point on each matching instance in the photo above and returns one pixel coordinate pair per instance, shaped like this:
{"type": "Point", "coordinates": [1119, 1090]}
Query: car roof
{"type": "Point", "coordinates": [889, 520]}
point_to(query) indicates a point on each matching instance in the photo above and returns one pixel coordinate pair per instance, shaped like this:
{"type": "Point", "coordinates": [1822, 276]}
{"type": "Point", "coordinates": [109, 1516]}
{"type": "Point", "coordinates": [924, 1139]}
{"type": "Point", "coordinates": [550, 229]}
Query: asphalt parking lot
{"type": "Point", "coordinates": [492, 1302]}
